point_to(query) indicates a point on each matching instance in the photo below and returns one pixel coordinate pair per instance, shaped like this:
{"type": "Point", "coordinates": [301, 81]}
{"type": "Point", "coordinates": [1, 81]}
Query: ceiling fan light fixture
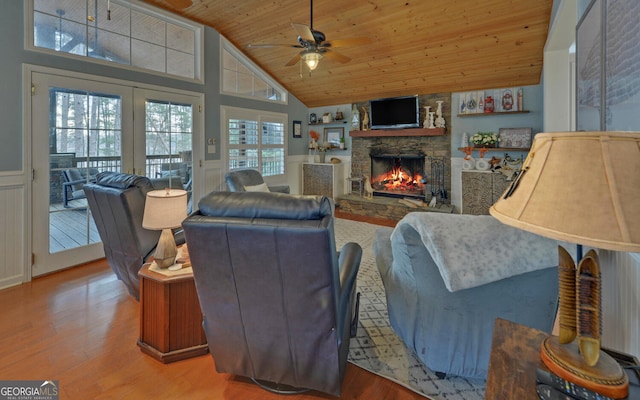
{"type": "Point", "coordinates": [312, 59]}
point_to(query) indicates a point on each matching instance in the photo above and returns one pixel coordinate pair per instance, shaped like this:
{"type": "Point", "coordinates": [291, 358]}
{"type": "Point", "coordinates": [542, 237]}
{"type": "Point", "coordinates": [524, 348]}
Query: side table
{"type": "Point", "coordinates": [170, 316]}
{"type": "Point", "coordinates": [515, 355]}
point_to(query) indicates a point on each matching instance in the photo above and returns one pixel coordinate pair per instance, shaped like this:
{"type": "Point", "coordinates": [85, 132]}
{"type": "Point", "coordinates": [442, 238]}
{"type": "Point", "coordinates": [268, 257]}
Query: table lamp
{"type": "Point", "coordinates": [583, 188]}
{"type": "Point", "coordinates": [165, 210]}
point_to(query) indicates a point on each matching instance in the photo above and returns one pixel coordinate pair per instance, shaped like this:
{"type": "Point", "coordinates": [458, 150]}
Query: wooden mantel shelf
{"type": "Point", "coordinates": [399, 132]}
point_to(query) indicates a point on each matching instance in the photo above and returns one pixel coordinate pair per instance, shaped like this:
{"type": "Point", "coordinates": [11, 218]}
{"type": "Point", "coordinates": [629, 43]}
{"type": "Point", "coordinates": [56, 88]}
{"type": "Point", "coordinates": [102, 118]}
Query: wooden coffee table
{"type": "Point", "coordinates": [170, 316]}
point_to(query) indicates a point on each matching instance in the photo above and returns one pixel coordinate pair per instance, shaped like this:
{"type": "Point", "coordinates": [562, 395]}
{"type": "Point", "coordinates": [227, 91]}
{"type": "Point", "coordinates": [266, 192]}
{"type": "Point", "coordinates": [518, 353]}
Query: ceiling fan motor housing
{"type": "Point", "coordinates": [317, 36]}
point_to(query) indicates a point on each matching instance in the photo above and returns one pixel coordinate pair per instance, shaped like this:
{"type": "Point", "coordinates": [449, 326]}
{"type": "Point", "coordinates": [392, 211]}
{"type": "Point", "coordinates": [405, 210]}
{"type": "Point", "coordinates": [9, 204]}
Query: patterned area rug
{"type": "Point", "coordinates": [377, 348]}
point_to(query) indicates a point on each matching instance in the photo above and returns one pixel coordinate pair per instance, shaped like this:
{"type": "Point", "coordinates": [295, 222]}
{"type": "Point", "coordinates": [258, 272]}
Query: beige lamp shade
{"type": "Point", "coordinates": [165, 209]}
{"type": "Point", "coordinates": [579, 187]}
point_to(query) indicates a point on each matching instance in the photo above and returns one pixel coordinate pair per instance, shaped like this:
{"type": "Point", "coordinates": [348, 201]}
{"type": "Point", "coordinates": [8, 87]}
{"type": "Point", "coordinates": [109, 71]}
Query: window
{"type": "Point", "coordinates": [255, 139]}
{"type": "Point", "coordinates": [116, 31]}
{"type": "Point", "coordinates": [240, 77]}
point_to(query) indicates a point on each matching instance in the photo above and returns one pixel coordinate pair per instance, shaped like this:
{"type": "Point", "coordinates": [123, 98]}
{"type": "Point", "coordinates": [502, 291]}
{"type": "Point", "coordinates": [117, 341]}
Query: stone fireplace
{"type": "Point", "coordinates": [398, 175]}
{"type": "Point", "coordinates": [430, 156]}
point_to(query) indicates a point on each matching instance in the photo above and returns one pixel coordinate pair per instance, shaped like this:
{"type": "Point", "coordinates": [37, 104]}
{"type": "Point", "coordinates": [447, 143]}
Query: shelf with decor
{"type": "Point", "coordinates": [328, 123]}
{"type": "Point", "coordinates": [399, 132]}
{"type": "Point", "coordinates": [486, 114]}
{"type": "Point", "coordinates": [499, 148]}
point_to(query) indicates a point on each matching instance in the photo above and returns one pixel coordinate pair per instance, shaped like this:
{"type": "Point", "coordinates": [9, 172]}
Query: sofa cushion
{"type": "Point", "coordinates": [472, 250]}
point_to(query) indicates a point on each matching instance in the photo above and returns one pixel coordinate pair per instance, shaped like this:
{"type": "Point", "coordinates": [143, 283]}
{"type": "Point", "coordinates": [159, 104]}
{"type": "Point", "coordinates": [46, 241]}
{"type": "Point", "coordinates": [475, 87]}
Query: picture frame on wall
{"type": "Point", "coordinates": [297, 129]}
{"type": "Point", "coordinates": [515, 138]}
{"type": "Point", "coordinates": [333, 136]}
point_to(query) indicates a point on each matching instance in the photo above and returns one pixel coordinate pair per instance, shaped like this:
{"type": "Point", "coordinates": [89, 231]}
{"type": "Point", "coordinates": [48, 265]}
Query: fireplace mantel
{"type": "Point", "coordinates": [398, 132]}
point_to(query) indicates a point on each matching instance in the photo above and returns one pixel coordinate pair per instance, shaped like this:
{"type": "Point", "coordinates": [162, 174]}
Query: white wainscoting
{"type": "Point", "coordinates": [620, 301]}
{"type": "Point", "coordinates": [13, 233]}
{"type": "Point", "coordinates": [213, 178]}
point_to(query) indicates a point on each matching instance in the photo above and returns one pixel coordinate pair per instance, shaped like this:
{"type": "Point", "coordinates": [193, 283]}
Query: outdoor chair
{"type": "Point", "coordinates": [74, 180]}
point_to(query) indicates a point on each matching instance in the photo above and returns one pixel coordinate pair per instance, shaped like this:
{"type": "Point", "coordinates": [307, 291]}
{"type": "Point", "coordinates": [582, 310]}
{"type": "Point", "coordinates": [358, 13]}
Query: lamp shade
{"type": "Point", "coordinates": [312, 59]}
{"type": "Point", "coordinates": [579, 187]}
{"type": "Point", "coordinates": [165, 209]}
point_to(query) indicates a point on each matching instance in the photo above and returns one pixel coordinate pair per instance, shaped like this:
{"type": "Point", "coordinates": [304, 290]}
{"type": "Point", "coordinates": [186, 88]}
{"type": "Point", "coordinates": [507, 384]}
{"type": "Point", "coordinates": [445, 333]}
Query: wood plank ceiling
{"type": "Point", "coordinates": [417, 46]}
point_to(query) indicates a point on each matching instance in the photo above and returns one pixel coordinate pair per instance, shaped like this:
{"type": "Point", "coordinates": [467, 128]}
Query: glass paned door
{"type": "Point", "coordinates": [81, 127]}
{"type": "Point", "coordinates": [170, 125]}
{"type": "Point", "coordinates": [169, 135]}
{"type": "Point", "coordinates": [77, 132]}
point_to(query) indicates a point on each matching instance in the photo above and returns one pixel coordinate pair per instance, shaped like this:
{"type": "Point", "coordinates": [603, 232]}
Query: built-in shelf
{"type": "Point", "coordinates": [498, 148]}
{"type": "Point", "coordinates": [399, 132]}
{"type": "Point", "coordinates": [486, 114]}
{"type": "Point", "coordinates": [344, 121]}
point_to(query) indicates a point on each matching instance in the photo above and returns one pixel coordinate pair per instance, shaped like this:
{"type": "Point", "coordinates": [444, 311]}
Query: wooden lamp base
{"type": "Point", "coordinates": [606, 377]}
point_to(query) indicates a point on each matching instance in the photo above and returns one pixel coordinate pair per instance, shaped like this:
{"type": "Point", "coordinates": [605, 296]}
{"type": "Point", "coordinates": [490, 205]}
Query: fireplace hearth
{"type": "Point", "coordinates": [398, 175]}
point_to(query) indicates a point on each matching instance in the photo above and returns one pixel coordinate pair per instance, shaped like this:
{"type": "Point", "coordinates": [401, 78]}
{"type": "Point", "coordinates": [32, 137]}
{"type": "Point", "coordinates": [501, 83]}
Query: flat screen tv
{"type": "Point", "coordinates": [394, 113]}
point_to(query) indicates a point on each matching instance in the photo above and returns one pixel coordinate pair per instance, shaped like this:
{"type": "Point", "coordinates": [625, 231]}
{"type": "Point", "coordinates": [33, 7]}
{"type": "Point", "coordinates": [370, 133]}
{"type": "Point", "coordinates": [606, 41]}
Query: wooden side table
{"type": "Point", "coordinates": [515, 355]}
{"type": "Point", "coordinates": [170, 317]}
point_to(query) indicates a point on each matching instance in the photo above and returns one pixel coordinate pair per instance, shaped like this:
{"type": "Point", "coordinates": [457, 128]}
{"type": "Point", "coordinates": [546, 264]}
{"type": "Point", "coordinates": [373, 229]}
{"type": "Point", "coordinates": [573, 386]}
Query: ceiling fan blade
{"type": "Point", "coordinates": [180, 4]}
{"type": "Point", "coordinates": [267, 45]}
{"type": "Point", "coordinates": [293, 61]}
{"type": "Point", "coordinates": [304, 32]}
{"type": "Point", "coordinates": [336, 56]}
{"type": "Point", "coordinates": [348, 42]}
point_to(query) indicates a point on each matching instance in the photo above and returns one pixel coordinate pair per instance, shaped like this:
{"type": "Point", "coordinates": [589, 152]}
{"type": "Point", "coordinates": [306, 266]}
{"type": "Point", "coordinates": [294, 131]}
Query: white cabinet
{"type": "Point", "coordinates": [324, 179]}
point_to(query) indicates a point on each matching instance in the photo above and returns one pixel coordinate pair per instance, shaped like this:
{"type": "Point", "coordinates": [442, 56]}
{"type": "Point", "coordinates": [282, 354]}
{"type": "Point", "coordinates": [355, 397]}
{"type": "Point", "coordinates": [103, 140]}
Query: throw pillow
{"type": "Point", "coordinates": [257, 188]}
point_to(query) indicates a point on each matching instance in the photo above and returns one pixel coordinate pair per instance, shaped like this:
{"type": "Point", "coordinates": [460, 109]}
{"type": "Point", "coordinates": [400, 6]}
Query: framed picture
{"type": "Point", "coordinates": [297, 129]}
{"type": "Point", "coordinates": [333, 136]}
{"type": "Point", "coordinates": [517, 138]}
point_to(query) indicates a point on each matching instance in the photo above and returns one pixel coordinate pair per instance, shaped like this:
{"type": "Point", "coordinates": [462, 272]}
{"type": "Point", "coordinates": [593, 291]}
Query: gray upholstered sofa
{"type": "Point", "coordinates": [447, 278]}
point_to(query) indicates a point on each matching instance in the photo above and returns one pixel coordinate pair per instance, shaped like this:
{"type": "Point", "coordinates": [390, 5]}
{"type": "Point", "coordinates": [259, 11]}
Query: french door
{"type": "Point", "coordinates": [81, 127]}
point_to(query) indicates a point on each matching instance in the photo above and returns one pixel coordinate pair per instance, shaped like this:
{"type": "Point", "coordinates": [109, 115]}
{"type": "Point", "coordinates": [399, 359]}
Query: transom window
{"type": "Point", "coordinates": [116, 31]}
{"type": "Point", "coordinates": [241, 77]}
{"type": "Point", "coordinates": [255, 139]}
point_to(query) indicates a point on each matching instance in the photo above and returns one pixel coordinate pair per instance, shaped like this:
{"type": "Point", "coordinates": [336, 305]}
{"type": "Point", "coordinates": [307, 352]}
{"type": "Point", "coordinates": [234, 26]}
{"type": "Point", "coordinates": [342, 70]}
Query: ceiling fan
{"type": "Point", "coordinates": [315, 45]}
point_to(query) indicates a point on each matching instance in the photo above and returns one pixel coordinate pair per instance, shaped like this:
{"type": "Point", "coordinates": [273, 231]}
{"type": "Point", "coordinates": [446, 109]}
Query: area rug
{"type": "Point", "coordinates": [377, 348]}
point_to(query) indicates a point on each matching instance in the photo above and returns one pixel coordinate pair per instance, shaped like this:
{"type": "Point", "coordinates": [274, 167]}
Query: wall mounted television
{"type": "Point", "coordinates": [394, 113]}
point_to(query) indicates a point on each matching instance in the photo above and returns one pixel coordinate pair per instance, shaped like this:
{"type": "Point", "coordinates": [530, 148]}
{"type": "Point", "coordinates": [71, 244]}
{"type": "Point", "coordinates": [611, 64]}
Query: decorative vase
{"type": "Point", "coordinates": [465, 140]}
{"type": "Point", "coordinates": [321, 156]}
{"type": "Point", "coordinates": [439, 108]}
{"type": "Point", "coordinates": [426, 116]}
{"type": "Point", "coordinates": [431, 117]}
{"type": "Point", "coordinates": [468, 164]}
{"type": "Point", "coordinates": [482, 164]}
{"type": "Point", "coordinates": [355, 118]}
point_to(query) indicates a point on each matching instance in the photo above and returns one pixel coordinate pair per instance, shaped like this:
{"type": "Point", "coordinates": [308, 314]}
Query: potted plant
{"type": "Point", "coordinates": [342, 143]}
{"type": "Point", "coordinates": [485, 139]}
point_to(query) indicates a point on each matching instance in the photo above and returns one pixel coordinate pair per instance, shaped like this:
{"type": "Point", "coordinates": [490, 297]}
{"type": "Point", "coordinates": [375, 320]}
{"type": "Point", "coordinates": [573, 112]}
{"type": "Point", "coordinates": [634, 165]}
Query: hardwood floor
{"type": "Point", "coordinates": [79, 327]}
{"type": "Point", "coordinates": [362, 218]}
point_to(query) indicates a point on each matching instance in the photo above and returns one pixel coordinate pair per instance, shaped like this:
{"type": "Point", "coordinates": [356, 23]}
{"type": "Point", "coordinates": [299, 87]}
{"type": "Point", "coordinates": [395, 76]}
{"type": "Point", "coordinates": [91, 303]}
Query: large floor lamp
{"type": "Point", "coordinates": [583, 188]}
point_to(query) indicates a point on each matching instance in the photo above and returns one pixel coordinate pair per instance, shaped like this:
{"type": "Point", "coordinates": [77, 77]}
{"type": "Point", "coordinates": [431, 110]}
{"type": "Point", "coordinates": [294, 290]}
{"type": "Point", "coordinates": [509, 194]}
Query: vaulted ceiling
{"type": "Point", "coordinates": [416, 46]}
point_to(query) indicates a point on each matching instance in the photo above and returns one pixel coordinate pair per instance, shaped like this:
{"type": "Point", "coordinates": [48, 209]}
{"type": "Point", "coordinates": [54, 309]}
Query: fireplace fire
{"type": "Point", "coordinates": [398, 175]}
